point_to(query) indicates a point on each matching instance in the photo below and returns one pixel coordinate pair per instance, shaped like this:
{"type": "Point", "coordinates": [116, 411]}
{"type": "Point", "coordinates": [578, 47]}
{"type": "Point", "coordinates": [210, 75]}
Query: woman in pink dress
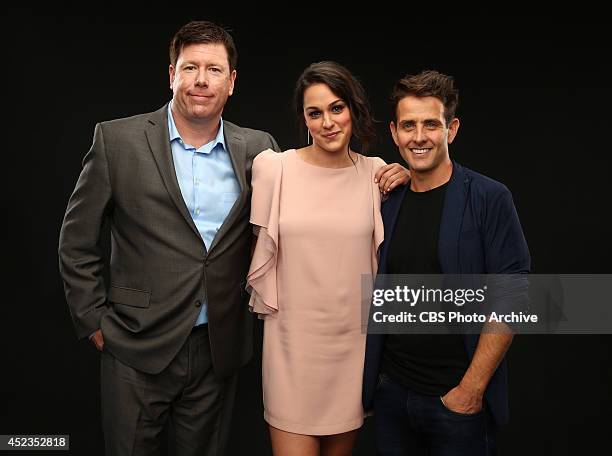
{"type": "Point", "coordinates": [316, 211]}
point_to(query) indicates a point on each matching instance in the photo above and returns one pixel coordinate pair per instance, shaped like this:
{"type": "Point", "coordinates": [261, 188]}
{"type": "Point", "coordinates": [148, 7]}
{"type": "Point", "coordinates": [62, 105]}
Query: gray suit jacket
{"type": "Point", "coordinates": [159, 267]}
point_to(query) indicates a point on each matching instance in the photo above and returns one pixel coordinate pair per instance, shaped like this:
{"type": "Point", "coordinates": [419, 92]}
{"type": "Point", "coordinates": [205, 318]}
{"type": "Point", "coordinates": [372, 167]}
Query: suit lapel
{"type": "Point", "coordinates": [455, 201]}
{"type": "Point", "coordinates": [390, 211]}
{"type": "Point", "coordinates": [159, 143]}
{"type": "Point", "coordinates": [236, 147]}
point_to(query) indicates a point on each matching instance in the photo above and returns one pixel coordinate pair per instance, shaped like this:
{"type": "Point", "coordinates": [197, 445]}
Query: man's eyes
{"type": "Point", "coordinates": [194, 68]}
{"type": "Point", "coordinates": [428, 125]}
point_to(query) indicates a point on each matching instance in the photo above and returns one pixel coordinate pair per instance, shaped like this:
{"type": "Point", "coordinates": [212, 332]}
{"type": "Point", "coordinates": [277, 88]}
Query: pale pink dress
{"type": "Point", "coordinates": [318, 231]}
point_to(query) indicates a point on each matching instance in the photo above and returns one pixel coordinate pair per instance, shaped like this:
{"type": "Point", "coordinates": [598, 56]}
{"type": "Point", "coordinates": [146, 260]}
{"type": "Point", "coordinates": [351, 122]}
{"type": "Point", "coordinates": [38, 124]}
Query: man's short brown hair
{"type": "Point", "coordinates": [203, 32]}
{"type": "Point", "coordinates": [428, 83]}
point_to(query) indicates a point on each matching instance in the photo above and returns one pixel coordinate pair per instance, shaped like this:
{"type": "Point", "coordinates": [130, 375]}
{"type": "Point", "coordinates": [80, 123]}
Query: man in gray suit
{"type": "Point", "coordinates": [173, 326]}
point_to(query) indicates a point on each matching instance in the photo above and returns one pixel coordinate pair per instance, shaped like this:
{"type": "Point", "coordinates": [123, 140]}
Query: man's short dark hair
{"type": "Point", "coordinates": [428, 83]}
{"type": "Point", "coordinates": [203, 32]}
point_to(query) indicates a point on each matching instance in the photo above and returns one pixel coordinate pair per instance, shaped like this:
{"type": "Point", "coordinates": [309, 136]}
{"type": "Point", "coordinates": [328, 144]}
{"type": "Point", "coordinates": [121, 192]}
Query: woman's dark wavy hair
{"type": "Point", "coordinates": [345, 86]}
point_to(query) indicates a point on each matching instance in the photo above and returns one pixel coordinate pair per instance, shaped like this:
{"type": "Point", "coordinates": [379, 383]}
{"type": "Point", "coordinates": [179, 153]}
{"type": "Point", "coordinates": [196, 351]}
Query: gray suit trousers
{"type": "Point", "coordinates": [136, 406]}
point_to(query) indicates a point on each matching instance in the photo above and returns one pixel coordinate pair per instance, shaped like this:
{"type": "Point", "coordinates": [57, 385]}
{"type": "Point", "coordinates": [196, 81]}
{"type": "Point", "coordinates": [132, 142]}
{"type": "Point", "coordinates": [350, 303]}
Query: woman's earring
{"type": "Point", "coordinates": [308, 136]}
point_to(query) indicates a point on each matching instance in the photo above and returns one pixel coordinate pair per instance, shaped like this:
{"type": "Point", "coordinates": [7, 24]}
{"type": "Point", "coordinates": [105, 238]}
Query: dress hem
{"type": "Point", "coordinates": [310, 429]}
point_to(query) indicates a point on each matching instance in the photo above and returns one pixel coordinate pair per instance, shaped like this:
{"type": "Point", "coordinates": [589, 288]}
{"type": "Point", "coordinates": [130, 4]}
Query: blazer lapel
{"type": "Point", "coordinates": [236, 147]}
{"type": "Point", "coordinates": [455, 202]}
{"type": "Point", "coordinates": [390, 211]}
{"type": "Point", "coordinates": [159, 142]}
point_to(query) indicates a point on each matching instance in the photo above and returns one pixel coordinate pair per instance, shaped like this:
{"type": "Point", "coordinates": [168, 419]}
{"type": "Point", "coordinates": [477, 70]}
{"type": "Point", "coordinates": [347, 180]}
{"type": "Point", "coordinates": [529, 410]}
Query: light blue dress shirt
{"type": "Point", "coordinates": [208, 184]}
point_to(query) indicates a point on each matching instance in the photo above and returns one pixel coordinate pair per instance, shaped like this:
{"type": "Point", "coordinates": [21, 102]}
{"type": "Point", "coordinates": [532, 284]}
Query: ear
{"type": "Point", "coordinates": [232, 82]}
{"type": "Point", "coordinates": [394, 133]}
{"type": "Point", "coordinates": [453, 128]}
{"type": "Point", "coordinates": [171, 73]}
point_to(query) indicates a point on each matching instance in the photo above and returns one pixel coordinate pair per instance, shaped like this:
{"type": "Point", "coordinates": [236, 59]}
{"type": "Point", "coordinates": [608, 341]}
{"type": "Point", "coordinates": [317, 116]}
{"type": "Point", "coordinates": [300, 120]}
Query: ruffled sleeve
{"type": "Point", "coordinates": [265, 206]}
{"type": "Point", "coordinates": [379, 230]}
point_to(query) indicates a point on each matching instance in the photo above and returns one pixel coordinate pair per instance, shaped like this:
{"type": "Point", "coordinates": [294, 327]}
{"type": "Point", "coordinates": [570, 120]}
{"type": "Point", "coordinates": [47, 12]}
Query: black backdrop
{"type": "Point", "coordinates": [535, 99]}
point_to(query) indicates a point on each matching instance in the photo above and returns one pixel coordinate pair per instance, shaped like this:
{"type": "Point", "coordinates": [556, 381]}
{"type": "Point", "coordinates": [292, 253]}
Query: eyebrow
{"type": "Point", "coordinates": [413, 122]}
{"type": "Point", "coordinates": [196, 63]}
{"type": "Point", "coordinates": [331, 104]}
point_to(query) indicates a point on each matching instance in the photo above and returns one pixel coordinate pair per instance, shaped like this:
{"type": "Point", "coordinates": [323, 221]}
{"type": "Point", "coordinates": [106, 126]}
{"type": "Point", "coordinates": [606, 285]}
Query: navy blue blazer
{"type": "Point", "coordinates": [480, 233]}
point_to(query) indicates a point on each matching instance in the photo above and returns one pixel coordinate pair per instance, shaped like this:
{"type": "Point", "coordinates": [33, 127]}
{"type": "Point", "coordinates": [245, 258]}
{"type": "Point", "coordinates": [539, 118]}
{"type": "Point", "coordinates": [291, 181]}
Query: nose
{"type": "Point", "coordinates": [201, 78]}
{"type": "Point", "coordinates": [419, 135]}
{"type": "Point", "coordinates": [327, 120]}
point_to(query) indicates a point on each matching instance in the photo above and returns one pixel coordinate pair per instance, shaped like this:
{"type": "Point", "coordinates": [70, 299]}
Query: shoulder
{"type": "Point", "coordinates": [374, 163]}
{"type": "Point", "coordinates": [488, 194]}
{"type": "Point", "coordinates": [154, 117]}
{"type": "Point", "coordinates": [127, 123]}
{"type": "Point", "coordinates": [243, 131]}
{"type": "Point", "coordinates": [268, 157]}
{"type": "Point", "coordinates": [255, 138]}
{"type": "Point", "coordinates": [267, 166]}
{"type": "Point", "coordinates": [125, 129]}
{"type": "Point", "coordinates": [128, 132]}
{"type": "Point", "coordinates": [483, 185]}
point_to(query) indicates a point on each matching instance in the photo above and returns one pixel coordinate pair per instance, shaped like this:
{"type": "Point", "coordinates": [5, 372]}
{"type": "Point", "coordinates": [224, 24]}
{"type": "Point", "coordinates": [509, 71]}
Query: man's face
{"type": "Point", "coordinates": [421, 133]}
{"type": "Point", "coordinates": [201, 82]}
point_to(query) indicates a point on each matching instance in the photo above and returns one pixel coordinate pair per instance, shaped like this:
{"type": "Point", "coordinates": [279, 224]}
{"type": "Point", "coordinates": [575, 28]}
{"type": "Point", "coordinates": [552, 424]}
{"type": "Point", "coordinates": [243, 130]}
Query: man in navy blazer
{"type": "Point", "coordinates": [441, 394]}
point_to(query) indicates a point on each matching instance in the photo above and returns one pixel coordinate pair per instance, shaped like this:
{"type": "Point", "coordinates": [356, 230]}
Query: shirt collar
{"type": "Point", "coordinates": [206, 148]}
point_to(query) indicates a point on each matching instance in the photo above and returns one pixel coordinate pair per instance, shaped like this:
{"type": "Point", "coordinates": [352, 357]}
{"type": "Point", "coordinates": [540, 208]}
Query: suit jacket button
{"type": "Point", "coordinates": [207, 263]}
{"type": "Point", "coordinates": [198, 303]}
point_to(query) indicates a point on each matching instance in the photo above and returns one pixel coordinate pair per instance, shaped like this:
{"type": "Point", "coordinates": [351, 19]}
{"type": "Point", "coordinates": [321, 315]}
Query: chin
{"type": "Point", "coordinates": [421, 167]}
{"type": "Point", "coordinates": [332, 148]}
{"type": "Point", "coordinates": [337, 150]}
{"type": "Point", "coordinates": [201, 113]}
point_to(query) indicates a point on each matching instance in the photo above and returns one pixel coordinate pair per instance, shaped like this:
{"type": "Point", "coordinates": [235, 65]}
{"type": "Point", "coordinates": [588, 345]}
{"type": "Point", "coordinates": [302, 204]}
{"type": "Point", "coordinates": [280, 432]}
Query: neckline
{"type": "Point", "coordinates": [301, 160]}
{"type": "Point", "coordinates": [431, 190]}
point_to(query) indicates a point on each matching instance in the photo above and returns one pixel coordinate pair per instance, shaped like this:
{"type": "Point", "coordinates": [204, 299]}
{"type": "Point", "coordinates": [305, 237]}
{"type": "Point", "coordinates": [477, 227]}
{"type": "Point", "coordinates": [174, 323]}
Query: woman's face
{"type": "Point", "coordinates": [327, 118]}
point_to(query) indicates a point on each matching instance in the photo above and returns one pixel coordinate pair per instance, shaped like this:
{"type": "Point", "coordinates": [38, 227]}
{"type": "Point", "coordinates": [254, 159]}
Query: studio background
{"type": "Point", "coordinates": [535, 97]}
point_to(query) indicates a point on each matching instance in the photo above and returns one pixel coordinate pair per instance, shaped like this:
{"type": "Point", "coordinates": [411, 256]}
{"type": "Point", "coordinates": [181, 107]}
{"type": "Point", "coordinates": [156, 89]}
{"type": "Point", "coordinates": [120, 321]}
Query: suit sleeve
{"type": "Point", "coordinates": [505, 245]}
{"type": "Point", "coordinates": [273, 144]}
{"type": "Point", "coordinates": [80, 253]}
{"type": "Point", "coordinates": [506, 255]}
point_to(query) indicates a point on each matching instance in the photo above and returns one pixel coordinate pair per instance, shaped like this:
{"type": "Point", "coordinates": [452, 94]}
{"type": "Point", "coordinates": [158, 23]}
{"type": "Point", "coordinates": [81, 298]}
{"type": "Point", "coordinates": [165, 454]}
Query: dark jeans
{"type": "Point", "coordinates": [408, 423]}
